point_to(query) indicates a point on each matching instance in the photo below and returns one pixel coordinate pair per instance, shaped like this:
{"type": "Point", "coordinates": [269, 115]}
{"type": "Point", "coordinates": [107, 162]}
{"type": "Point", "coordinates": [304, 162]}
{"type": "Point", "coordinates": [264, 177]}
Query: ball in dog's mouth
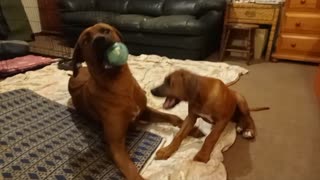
{"type": "Point", "coordinates": [170, 102]}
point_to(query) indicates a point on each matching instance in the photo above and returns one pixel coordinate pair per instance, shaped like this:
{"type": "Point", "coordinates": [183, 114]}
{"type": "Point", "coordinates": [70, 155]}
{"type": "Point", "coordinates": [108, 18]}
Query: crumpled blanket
{"type": "Point", "coordinates": [150, 70]}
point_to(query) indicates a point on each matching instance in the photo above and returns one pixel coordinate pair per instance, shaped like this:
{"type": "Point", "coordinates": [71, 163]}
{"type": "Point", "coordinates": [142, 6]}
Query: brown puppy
{"type": "Point", "coordinates": [110, 94]}
{"type": "Point", "coordinates": [208, 98]}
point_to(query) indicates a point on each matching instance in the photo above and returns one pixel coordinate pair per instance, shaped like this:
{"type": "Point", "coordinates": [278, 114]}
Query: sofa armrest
{"type": "Point", "coordinates": [77, 5]}
{"type": "Point", "coordinates": [212, 18]}
{"type": "Point", "coordinates": [209, 5]}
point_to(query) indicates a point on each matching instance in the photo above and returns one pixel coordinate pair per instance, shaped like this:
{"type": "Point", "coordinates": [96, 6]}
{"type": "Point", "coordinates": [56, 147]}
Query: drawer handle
{"type": "Point", "coordinates": [303, 1]}
{"type": "Point", "coordinates": [298, 24]}
{"type": "Point", "coordinates": [293, 45]}
{"type": "Point", "coordinates": [250, 13]}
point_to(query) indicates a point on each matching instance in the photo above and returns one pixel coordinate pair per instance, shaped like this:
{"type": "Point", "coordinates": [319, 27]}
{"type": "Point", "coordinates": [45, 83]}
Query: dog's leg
{"type": "Point", "coordinates": [115, 134]}
{"type": "Point", "coordinates": [246, 125]}
{"type": "Point", "coordinates": [204, 154]}
{"type": "Point", "coordinates": [153, 115]}
{"type": "Point", "coordinates": [188, 124]}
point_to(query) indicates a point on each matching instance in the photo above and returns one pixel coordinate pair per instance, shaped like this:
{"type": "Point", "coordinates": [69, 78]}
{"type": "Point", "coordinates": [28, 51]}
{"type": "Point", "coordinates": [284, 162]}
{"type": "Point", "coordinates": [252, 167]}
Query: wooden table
{"type": "Point", "coordinates": [252, 13]}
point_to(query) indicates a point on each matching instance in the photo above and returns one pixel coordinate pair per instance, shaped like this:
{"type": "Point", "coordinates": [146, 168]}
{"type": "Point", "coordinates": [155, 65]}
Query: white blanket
{"type": "Point", "coordinates": [150, 71]}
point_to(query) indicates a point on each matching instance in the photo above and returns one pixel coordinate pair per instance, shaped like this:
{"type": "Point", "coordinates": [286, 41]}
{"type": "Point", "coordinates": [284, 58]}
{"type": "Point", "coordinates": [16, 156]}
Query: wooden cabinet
{"type": "Point", "coordinates": [299, 37]}
{"type": "Point", "coordinates": [49, 16]}
{"type": "Point", "coordinates": [317, 84]}
{"type": "Point", "coordinates": [252, 13]}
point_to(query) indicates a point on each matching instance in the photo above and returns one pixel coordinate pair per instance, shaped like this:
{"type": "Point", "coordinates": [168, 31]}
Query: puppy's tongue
{"type": "Point", "coordinates": [168, 103]}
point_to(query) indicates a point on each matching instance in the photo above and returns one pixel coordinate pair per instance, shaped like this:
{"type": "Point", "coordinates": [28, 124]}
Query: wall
{"type": "Point", "coordinates": [32, 11]}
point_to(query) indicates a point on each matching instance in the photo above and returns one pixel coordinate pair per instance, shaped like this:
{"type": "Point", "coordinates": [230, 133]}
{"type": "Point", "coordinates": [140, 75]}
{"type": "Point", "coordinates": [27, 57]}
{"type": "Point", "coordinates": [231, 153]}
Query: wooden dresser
{"type": "Point", "coordinates": [299, 36]}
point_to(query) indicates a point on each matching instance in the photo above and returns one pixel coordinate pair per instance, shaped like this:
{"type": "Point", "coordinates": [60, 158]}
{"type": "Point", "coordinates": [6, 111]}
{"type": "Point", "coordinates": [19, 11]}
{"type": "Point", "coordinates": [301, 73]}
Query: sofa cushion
{"type": "Point", "coordinates": [129, 22]}
{"type": "Point", "coordinates": [165, 40]}
{"type": "Point", "coordinates": [87, 17]}
{"type": "Point", "coordinates": [174, 24]}
{"type": "Point", "coordinates": [76, 5]}
{"type": "Point", "coordinates": [145, 7]}
{"type": "Point", "coordinates": [192, 7]}
{"type": "Point", "coordinates": [187, 7]}
{"type": "Point", "coordinates": [119, 6]}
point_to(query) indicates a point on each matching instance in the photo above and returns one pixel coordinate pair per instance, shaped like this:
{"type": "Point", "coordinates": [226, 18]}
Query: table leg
{"type": "Point", "coordinates": [270, 42]}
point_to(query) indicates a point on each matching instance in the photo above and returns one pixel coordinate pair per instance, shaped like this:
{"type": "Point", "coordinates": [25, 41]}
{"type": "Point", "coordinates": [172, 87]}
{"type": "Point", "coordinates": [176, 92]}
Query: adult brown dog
{"type": "Point", "coordinates": [208, 98]}
{"type": "Point", "coordinates": [110, 94]}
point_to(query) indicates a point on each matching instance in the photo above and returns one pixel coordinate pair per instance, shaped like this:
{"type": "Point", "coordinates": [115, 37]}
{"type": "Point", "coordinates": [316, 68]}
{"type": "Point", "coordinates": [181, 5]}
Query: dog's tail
{"type": "Point", "coordinates": [259, 108]}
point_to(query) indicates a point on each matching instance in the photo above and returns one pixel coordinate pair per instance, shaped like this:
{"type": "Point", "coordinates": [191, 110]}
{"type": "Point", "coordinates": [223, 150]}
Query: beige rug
{"type": "Point", "coordinates": [150, 70]}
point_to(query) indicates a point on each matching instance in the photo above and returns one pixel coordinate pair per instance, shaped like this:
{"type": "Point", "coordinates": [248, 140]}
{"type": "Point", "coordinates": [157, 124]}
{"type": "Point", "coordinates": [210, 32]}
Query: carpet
{"type": "Point", "coordinates": [41, 139]}
{"type": "Point", "coordinates": [149, 70]}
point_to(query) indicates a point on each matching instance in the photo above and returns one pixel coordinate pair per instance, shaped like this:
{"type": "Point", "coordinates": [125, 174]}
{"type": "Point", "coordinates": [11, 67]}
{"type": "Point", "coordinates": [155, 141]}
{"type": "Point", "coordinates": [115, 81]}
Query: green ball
{"type": "Point", "coordinates": [117, 54]}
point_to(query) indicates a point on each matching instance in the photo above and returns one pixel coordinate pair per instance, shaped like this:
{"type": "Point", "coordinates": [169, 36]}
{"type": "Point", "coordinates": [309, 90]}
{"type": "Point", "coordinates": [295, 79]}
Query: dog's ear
{"type": "Point", "coordinates": [190, 84]}
{"type": "Point", "coordinates": [76, 59]}
{"type": "Point", "coordinates": [118, 33]}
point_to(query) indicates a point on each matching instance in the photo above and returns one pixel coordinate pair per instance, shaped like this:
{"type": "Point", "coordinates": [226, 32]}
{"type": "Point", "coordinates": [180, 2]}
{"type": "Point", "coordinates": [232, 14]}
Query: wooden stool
{"type": "Point", "coordinates": [248, 49]}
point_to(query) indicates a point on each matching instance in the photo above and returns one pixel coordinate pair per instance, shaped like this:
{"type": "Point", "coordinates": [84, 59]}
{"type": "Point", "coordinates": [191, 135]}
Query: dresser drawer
{"type": "Point", "coordinates": [248, 13]}
{"type": "Point", "coordinates": [303, 4]}
{"type": "Point", "coordinates": [301, 22]}
{"type": "Point", "coordinates": [300, 43]}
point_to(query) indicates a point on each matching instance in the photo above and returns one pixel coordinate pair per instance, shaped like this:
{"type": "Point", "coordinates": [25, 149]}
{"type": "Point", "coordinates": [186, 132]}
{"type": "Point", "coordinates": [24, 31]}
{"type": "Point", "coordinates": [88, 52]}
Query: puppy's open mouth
{"type": "Point", "coordinates": [170, 103]}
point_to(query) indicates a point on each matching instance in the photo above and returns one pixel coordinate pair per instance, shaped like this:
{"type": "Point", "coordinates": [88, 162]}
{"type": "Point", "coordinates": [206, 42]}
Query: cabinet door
{"type": "Point", "coordinates": [49, 16]}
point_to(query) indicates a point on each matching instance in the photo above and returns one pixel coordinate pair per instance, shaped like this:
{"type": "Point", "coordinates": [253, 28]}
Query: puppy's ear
{"type": "Point", "coordinates": [76, 59]}
{"type": "Point", "coordinates": [190, 84]}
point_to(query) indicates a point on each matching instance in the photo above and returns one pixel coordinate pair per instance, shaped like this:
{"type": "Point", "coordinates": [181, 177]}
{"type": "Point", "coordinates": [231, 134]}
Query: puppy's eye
{"type": "Point", "coordinates": [168, 81]}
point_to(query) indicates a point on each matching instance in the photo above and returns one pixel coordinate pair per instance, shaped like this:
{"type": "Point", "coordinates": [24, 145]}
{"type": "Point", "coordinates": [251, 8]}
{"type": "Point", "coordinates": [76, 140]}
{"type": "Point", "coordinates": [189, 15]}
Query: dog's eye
{"type": "Point", "coordinates": [105, 31]}
{"type": "Point", "coordinates": [86, 39]}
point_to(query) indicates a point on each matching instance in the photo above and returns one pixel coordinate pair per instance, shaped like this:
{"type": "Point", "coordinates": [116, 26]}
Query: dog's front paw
{"type": "Point", "coordinates": [248, 134]}
{"type": "Point", "coordinates": [163, 153]}
{"type": "Point", "coordinates": [196, 132]}
{"type": "Point", "coordinates": [200, 157]}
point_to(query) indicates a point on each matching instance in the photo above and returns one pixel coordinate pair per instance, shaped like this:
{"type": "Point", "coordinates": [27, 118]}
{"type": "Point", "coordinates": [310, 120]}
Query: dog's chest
{"type": "Point", "coordinates": [135, 113]}
{"type": "Point", "coordinates": [206, 117]}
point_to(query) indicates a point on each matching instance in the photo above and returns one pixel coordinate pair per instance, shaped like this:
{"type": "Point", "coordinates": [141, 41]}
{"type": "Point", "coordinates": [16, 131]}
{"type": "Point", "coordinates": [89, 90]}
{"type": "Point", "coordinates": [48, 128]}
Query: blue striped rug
{"type": "Point", "coordinates": [41, 139]}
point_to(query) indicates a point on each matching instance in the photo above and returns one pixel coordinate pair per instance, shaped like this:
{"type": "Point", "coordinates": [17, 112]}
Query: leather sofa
{"type": "Point", "coordinates": [183, 29]}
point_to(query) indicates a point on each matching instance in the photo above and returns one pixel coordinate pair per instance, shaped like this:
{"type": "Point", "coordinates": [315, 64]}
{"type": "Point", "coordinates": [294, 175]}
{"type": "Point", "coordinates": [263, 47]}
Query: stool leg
{"type": "Point", "coordinates": [249, 47]}
{"type": "Point", "coordinates": [225, 44]}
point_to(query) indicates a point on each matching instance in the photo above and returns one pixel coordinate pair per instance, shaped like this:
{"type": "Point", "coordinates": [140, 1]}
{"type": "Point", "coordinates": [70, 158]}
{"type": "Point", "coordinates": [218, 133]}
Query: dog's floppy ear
{"type": "Point", "coordinates": [76, 59]}
{"type": "Point", "coordinates": [118, 33]}
{"type": "Point", "coordinates": [190, 84]}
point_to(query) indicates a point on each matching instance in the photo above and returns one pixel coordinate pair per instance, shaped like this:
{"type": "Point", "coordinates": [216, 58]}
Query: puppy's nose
{"type": "Point", "coordinates": [154, 91]}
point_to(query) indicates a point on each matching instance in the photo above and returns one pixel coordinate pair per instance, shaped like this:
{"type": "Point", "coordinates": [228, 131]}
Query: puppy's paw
{"type": "Point", "coordinates": [239, 129]}
{"type": "Point", "coordinates": [196, 132]}
{"type": "Point", "coordinates": [201, 158]}
{"type": "Point", "coordinates": [248, 134]}
{"type": "Point", "coordinates": [163, 154]}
